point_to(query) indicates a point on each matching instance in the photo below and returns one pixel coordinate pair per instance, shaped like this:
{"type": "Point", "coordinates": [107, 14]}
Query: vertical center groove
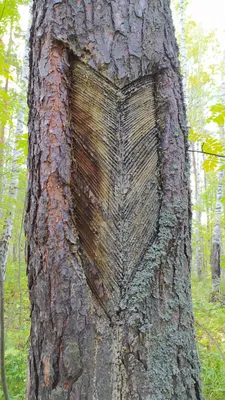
{"type": "Point", "coordinates": [115, 174]}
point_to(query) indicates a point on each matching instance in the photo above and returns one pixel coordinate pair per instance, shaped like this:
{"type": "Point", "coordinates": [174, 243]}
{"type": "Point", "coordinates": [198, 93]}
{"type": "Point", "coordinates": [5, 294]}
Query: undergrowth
{"type": "Point", "coordinates": [210, 331]}
{"type": "Point", "coordinates": [17, 329]}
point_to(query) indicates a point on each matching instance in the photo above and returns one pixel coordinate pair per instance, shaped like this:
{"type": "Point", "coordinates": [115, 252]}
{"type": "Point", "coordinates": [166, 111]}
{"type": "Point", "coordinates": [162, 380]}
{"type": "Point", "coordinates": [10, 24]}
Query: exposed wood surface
{"type": "Point", "coordinates": [115, 178]}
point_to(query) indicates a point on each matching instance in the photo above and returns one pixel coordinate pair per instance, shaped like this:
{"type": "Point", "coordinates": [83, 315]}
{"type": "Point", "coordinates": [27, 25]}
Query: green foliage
{"type": "Point", "coordinates": [9, 12]}
{"type": "Point", "coordinates": [210, 330]}
{"type": "Point", "coordinates": [210, 145]}
{"type": "Point", "coordinates": [208, 142]}
{"type": "Point", "coordinates": [12, 98]}
{"type": "Point", "coordinates": [22, 144]}
{"type": "Point", "coordinates": [217, 114]}
{"type": "Point", "coordinates": [17, 324]}
{"type": "Point", "coordinates": [205, 117]}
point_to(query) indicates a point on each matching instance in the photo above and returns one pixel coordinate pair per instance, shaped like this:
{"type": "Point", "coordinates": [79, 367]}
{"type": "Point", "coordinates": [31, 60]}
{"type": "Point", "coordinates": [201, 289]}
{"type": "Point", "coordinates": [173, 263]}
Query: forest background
{"type": "Point", "coordinates": [202, 56]}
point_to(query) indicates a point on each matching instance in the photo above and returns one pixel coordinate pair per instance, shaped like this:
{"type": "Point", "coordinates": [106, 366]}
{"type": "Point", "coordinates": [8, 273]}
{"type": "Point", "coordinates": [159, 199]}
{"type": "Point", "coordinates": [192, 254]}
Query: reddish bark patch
{"type": "Point", "coordinates": [47, 368]}
{"type": "Point", "coordinates": [53, 130]}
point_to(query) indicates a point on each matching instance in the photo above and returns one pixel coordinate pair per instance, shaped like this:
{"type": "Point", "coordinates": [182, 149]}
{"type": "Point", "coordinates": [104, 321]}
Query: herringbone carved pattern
{"type": "Point", "coordinates": [116, 161]}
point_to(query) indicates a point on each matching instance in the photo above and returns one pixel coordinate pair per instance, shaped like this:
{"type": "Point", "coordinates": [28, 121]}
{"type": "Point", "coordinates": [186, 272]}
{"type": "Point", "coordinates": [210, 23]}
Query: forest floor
{"type": "Point", "coordinates": [210, 331]}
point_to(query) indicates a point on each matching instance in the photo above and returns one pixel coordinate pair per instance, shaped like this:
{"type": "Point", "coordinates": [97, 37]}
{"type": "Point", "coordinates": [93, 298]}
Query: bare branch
{"type": "Point", "coordinates": [206, 152]}
{"type": "Point", "coordinates": [212, 338]}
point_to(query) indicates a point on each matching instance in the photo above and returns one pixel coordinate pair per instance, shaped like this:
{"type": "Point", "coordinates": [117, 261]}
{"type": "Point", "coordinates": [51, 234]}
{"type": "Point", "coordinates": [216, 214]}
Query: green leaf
{"type": "Point", "coordinates": [210, 164]}
{"type": "Point", "coordinates": [223, 201]}
{"type": "Point", "coordinates": [212, 145]}
{"type": "Point", "coordinates": [194, 136]}
{"type": "Point", "coordinates": [217, 114]}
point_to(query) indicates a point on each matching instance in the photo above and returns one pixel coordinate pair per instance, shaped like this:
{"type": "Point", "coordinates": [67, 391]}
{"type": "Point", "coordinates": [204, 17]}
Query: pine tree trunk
{"type": "Point", "coordinates": [108, 210]}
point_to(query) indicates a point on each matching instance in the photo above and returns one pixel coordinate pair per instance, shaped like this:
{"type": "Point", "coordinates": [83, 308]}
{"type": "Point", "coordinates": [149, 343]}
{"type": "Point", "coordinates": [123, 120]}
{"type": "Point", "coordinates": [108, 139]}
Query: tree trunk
{"type": "Point", "coordinates": [108, 210]}
{"type": "Point", "coordinates": [199, 250]}
{"type": "Point", "coordinates": [217, 234]}
{"type": "Point", "coordinates": [216, 239]}
{"type": "Point", "coordinates": [196, 261]}
{"type": "Point", "coordinates": [183, 51]}
{"type": "Point", "coordinates": [3, 127]}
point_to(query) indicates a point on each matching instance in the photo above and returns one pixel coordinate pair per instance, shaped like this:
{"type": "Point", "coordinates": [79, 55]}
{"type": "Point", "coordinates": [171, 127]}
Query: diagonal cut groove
{"type": "Point", "coordinates": [115, 179]}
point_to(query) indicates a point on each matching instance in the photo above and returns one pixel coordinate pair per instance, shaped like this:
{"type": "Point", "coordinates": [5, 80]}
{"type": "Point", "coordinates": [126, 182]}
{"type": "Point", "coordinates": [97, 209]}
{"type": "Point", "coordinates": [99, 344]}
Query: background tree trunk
{"type": "Point", "coordinates": [110, 295]}
{"type": "Point", "coordinates": [216, 239]}
{"type": "Point", "coordinates": [6, 235]}
{"type": "Point", "coordinates": [217, 234]}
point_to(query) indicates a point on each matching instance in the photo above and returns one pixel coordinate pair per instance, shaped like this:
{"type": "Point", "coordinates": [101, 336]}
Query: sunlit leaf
{"type": "Point", "coordinates": [210, 164]}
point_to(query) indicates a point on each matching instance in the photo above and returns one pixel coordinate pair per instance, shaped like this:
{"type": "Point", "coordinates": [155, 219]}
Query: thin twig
{"type": "Point", "coordinates": [205, 152]}
{"type": "Point", "coordinates": [212, 338]}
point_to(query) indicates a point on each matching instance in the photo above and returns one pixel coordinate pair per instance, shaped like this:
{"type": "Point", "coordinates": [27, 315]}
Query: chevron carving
{"type": "Point", "coordinates": [115, 172]}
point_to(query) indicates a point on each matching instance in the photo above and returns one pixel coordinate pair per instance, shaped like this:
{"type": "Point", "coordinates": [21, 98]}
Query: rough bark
{"type": "Point", "coordinates": [96, 334]}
